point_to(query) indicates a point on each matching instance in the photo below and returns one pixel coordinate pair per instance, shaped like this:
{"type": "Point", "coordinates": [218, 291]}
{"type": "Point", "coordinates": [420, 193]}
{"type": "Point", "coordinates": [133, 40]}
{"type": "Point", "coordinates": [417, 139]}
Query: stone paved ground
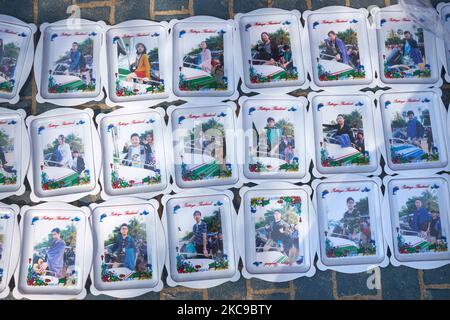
{"type": "Point", "coordinates": [396, 283]}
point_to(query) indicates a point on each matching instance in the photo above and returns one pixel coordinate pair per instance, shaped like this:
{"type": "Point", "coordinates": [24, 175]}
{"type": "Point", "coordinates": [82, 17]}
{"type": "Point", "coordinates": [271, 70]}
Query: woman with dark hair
{"type": "Point", "coordinates": [140, 69]}
{"type": "Point", "coordinates": [268, 50]}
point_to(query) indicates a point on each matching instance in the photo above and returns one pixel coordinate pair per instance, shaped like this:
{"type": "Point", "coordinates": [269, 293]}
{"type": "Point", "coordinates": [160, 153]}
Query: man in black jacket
{"type": "Point", "coordinates": [78, 162]}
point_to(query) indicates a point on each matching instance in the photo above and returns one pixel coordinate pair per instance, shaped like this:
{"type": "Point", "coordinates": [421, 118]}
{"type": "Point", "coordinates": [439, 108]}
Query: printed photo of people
{"type": "Point", "coordinates": [1, 246]}
{"type": "Point", "coordinates": [412, 135]}
{"type": "Point", "coordinates": [2, 243]}
{"type": "Point", "coordinates": [125, 254]}
{"type": "Point", "coordinates": [349, 230]}
{"type": "Point", "coordinates": [271, 54]}
{"type": "Point", "coordinates": [65, 163]}
{"type": "Point", "coordinates": [343, 140]}
{"type": "Point", "coordinates": [71, 69]}
{"type": "Point", "coordinates": [10, 45]}
{"type": "Point", "coordinates": [204, 150]}
{"type": "Point", "coordinates": [273, 145]}
{"type": "Point", "coordinates": [198, 232]}
{"type": "Point", "coordinates": [133, 160]}
{"type": "Point", "coordinates": [8, 161]}
{"type": "Point", "coordinates": [137, 65]}
{"type": "Point", "coordinates": [202, 66]}
{"type": "Point", "coordinates": [277, 231]}
{"type": "Point", "coordinates": [339, 55]}
{"type": "Point", "coordinates": [420, 226]}
{"type": "Point", "coordinates": [54, 254]}
{"type": "Point", "coordinates": [404, 53]}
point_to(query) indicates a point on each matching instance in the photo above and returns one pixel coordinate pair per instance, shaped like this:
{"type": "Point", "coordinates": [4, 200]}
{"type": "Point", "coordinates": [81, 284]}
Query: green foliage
{"type": "Point", "coordinates": [4, 139]}
{"type": "Point", "coordinates": [72, 139]}
{"type": "Point", "coordinates": [11, 50]}
{"type": "Point", "coordinates": [68, 234]}
{"type": "Point", "coordinates": [289, 214]}
{"type": "Point", "coordinates": [86, 48]}
{"type": "Point", "coordinates": [287, 127]}
{"type": "Point", "coordinates": [349, 36]}
{"type": "Point", "coordinates": [398, 121]}
{"type": "Point", "coordinates": [213, 224]}
{"type": "Point", "coordinates": [144, 134]}
{"type": "Point", "coordinates": [429, 201]}
{"type": "Point", "coordinates": [136, 229]}
{"type": "Point", "coordinates": [153, 55]}
{"type": "Point", "coordinates": [214, 43]}
{"type": "Point", "coordinates": [353, 119]}
{"type": "Point", "coordinates": [280, 37]}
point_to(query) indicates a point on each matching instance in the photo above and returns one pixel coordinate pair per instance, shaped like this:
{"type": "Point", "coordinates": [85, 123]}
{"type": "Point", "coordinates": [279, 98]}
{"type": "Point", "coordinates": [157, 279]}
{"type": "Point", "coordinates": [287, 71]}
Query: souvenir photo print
{"type": "Point", "coordinates": [349, 223]}
{"type": "Point", "coordinates": [202, 61]}
{"type": "Point", "coordinates": [69, 62]}
{"type": "Point", "coordinates": [10, 152]}
{"type": "Point", "coordinates": [270, 45]}
{"type": "Point", "coordinates": [275, 138]}
{"type": "Point", "coordinates": [419, 219]}
{"type": "Point", "coordinates": [53, 252]}
{"type": "Point", "coordinates": [203, 146]}
{"type": "Point", "coordinates": [344, 133]}
{"type": "Point", "coordinates": [200, 238]}
{"type": "Point", "coordinates": [406, 51]}
{"type": "Point", "coordinates": [413, 132]}
{"type": "Point", "coordinates": [277, 231]}
{"type": "Point", "coordinates": [15, 47]}
{"type": "Point", "coordinates": [62, 153]}
{"type": "Point", "coordinates": [134, 159]}
{"type": "Point", "coordinates": [444, 12]}
{"type": "Point", "coordinates": [339, 48]}
{"type": "Point", "coordinates": [8, 256]}
{"type": "Point", "coordinates": [134, 54]}
{"type": "Point", "coordinates": [125, 247]}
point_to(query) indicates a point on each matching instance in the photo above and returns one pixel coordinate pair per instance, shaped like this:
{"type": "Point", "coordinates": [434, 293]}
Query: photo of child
{"type": "Point", "coordinates": [137, 71]}
{"type": "Point", "coordinates": [201, 66]}
{"type": "Point", "coordinates": [277, 221]}
{"type": "Point", "coordinates": [133, 160]}
{"type": "Point", "coordinates": [53, 261]}
{"type": "Point", "coordinates": [71, 66]}
{"type": "Point", "coordinates": [271, 53]}
{"type": "Point", "coordinates": [420, 228]}
{"type": "Point", "coordinates": [200, 240]}
{"type": "Point", "coordinates": [125, 250]}
{"type": "Point", "coordinates": [349, 231]}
